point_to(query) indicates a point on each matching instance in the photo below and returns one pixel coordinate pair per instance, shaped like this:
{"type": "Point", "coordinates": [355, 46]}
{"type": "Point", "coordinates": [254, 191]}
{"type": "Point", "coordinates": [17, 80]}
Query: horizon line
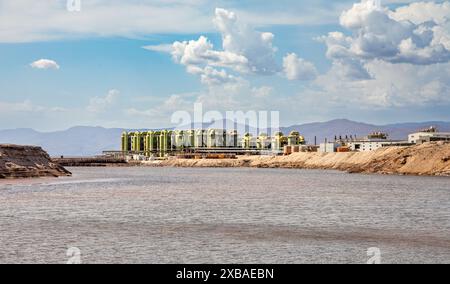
{"type": "Point", "coordinates": [300, 124]}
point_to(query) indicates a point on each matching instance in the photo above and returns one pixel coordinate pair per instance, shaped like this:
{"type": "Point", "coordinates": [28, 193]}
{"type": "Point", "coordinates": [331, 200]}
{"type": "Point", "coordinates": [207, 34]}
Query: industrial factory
{"type": "Point", "coordinates": [219, 143]}
{"type": "Point", "coordinates": [431, 134]}
{"type": "Point", "coordinates": [169, 142]}
{"type": "Point", "coordinates": [377, 140]}
{"type": "Point", "coordinates": [371, 142]}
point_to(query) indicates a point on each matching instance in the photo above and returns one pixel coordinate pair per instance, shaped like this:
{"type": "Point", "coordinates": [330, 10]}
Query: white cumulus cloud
{"type": "Point", "coordinates": [393, 85]}
{"type": "Point", "coordinates": [244, 51]}
{"type": "Point", "coordinates": [416, 34]}
{"type": "Point", "coordinates": [241, 39]}
{"type": "Point", "coordinates": [45, 64]}
{"type": "Point", "coordinates": [297, 68]}
{"type": "Point", "coordinates": [422, 12]}
{"type": "Point", "coordinates": [211, 76]}
{"type": "Point", "coordinates": [389, 58]}
{"type": "Point", "coordinates": [201, 53]}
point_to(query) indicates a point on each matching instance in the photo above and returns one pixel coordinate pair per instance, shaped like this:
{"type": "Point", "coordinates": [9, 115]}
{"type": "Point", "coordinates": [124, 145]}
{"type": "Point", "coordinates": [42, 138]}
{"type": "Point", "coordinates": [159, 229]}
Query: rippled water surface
{"type": "Point", "coordinates": [167, 215]}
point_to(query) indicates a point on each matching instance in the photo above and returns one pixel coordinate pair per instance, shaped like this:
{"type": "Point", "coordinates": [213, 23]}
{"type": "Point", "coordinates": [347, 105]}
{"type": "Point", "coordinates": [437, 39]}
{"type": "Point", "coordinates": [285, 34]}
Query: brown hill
{"type": "Point", "coordinates": [27, 162]}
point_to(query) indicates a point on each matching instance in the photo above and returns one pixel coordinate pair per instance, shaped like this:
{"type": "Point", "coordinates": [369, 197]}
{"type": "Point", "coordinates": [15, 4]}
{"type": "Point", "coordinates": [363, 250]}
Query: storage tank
{"type": "Point", "coordinates": [295, 138]}
{"type": "Point", "coordinates": [146, 143]}
{"type": "Point", "coordinates": [189, 140]}
{"type": "Point", "coordinates": [279, 141]}
{"type": "Point", "coordinates": [211, 138]}
{"type": "Point", "coordinates": [246, 141]}
{"type": "Point", "coordinates": [126, 145]}
{"type": "Point", "coordinates": [136, 139]}
{"type": "Point", "coordinates": [164, 141]}
{"type": "Point", "coordinates": [263, 141]}
{"type": "Point", "coordinates": [216, 138]}
{"type": "Point", "coordinates": [151, 143]}
{"type": "Point", "coordinates": [179, 139]}
{"type": "Point", "coordinates": [200, 138]}
{"type": "Point", "coordinates": [232, 139]}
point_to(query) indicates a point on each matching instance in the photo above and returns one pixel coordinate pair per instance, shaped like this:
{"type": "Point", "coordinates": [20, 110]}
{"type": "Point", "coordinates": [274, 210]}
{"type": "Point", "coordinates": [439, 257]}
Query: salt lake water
{"type": "Point", "coordinates": [239, 215]}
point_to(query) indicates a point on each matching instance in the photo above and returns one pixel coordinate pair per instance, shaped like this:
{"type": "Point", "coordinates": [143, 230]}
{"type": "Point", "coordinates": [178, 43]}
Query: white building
{"type": "Point", "coordinates": [428, 136]}
{"type": "Point", "coordinates": [329, 147]}
{"type": "Point", "coordinates": [370, 145]}
{"type": "Point", "coordinates": [373, 142]}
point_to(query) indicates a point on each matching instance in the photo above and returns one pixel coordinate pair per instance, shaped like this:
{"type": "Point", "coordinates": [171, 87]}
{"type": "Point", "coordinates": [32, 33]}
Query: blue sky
{"type": "Point", "coordinates": [311, 60]}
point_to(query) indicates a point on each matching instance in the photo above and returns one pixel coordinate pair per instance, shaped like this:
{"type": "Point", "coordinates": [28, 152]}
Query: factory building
{"type": "Point", "coordinates": [164, 142]}
{"type": "Point", "coordinates": [372, 142]}
{"type": "Point", "coordinates": [428, 135]}
{"type": "Point", "coordinates": [371, 145]}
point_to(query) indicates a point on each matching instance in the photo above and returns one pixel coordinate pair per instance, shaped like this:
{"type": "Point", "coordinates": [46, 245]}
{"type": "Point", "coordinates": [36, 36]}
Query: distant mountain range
{"type": "Point", "coordinates": [343, 127]}
{"type": "Point", "coordinates": [89, 141]}
{"type": "Point", "coordinates": [76, 141]}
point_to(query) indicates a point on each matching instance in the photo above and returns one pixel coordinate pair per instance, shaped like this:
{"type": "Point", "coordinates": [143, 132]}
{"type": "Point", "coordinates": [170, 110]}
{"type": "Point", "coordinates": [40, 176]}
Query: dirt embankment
{"type": "Point", "coordinates": [426, 159]}
{"type": "Point", "coordinates": [27, 162]}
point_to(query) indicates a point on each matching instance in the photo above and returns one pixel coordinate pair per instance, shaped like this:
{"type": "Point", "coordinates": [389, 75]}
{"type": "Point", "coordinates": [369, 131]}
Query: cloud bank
{"type": "Point", "coordinates": [416, 34]}
{"type": "Point", "coordinates": [244, 51]}
{"type": "Point", "coordinates": [383, 58]}
{"type": "Point", "coordinates": [44, 20]}
{"type": "Point", "coordinates": [390, 58]}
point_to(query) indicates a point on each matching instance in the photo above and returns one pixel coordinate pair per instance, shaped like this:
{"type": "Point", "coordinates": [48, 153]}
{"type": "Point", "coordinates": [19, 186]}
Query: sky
{"type": "Point", "coordinates": [133, 63]}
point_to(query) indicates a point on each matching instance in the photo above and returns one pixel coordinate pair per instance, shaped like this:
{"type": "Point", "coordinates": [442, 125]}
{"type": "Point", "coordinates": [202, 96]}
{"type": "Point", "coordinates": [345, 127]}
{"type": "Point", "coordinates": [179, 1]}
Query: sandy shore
{"type": "Point", "coordinates": [432, 159]}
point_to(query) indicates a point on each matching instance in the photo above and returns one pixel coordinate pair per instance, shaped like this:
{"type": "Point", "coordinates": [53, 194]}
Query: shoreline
{"type": "Point", "coordinates": [430, 159]}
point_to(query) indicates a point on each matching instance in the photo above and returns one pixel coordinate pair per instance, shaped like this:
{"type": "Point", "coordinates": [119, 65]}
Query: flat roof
{"type": "Point", "coordinates": [431, 133]}
{"type": "Point", "coordinates": [376, 141]}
